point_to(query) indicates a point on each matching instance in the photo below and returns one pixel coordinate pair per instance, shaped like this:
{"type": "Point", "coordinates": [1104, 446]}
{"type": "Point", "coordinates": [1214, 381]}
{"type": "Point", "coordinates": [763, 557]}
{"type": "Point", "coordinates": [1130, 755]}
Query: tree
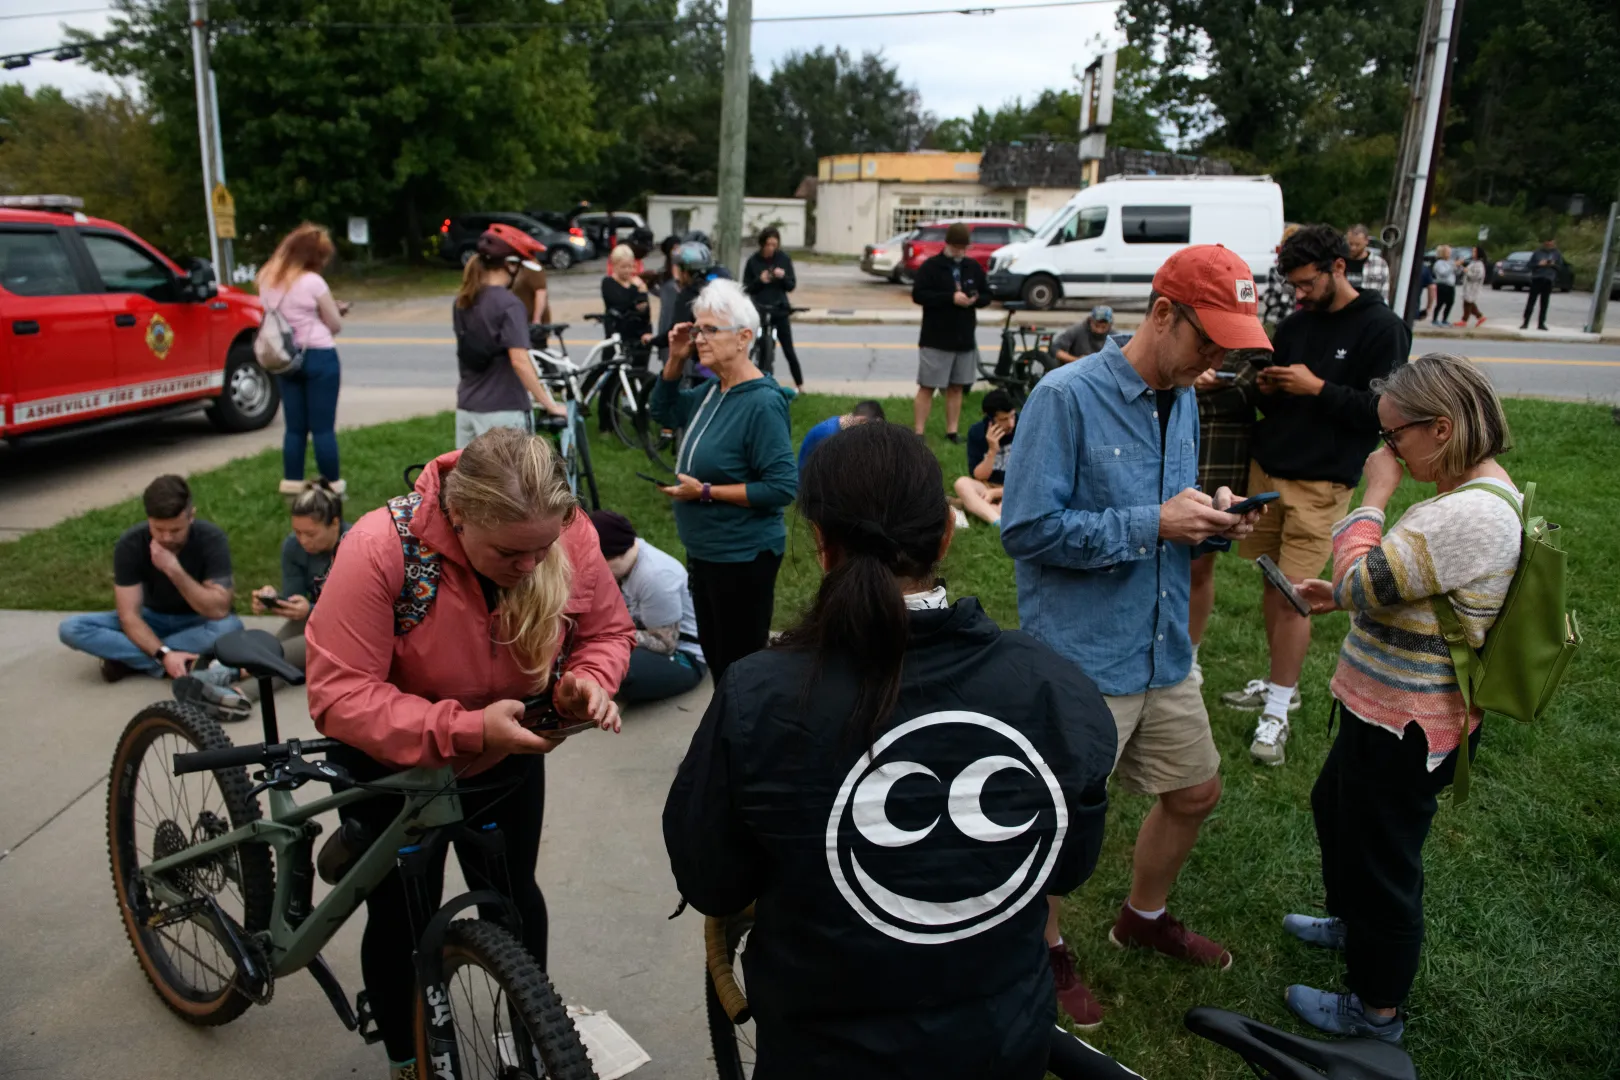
{"type": "Point", "coordinates": [369, 109]}
{"type": "Point", "coordinates": [104, 149]}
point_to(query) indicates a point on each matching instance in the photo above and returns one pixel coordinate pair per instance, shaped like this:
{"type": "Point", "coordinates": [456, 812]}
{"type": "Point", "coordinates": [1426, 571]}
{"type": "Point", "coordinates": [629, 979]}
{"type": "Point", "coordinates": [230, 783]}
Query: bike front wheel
{"type": "Point", "coordinates": [508, 1020]}
{"type": "Point", "coordinates": [733, 1040]}
{"type": "Point", "coordinates": [153, 814]}
{"type": "Point", "coordinates": [628, 412]}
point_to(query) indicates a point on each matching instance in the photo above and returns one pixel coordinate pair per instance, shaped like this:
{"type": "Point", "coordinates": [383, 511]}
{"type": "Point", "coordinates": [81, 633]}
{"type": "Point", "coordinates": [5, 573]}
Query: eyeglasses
{"type": "Point", "coordinates": [1389, 435]}
{"type": "Point", "coordinates": [699, 331]}
{"type": "Point", "coordinates": [1309, 284]}
{"type": "Point", "coordinates": [1206, 344]}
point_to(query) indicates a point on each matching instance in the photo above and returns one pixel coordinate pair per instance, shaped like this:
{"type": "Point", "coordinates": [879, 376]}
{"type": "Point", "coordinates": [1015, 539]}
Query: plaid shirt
{"type": "Point", "coordinates": [1375, 276]}
{"type": "Point", "coordinates": [1225, 421]}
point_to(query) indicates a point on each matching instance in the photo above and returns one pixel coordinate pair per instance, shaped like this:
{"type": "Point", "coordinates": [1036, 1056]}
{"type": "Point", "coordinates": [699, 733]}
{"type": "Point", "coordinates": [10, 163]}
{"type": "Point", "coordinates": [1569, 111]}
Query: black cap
{"type": "Point", "coordinates": [614, 532]}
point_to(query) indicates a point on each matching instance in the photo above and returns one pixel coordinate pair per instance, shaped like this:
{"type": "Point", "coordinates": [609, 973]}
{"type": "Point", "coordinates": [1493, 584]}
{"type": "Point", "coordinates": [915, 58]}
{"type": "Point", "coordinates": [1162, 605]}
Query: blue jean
{"type": "Point", "coordinates": [309, 409]}
{"type": "Point", "coordinates": [101, 634]}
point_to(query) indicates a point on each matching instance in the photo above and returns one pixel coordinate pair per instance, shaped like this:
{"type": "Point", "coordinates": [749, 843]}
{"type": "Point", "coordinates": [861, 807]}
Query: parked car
{"type": "Point", "coordinates": [458, 238]}
{"type": "Point", "coordinates": [1515, 271]}
{"type": "Point", "coordinates": [988, 235]}
{"type": "Point", "coordinates": [1111, 238]}
{"type": "Point", "coordinates": [102, 330]}
{"type": "Point", "coordinates": [884, 260]}
{"type": "Point", "coordinates": [605, 230]}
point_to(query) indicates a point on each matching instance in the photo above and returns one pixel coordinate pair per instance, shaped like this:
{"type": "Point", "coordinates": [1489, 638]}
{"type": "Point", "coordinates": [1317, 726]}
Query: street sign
{"type": "Point", "coordinates": [359, 231]}
{"type": "Point", "coordinates": [224, 213]}
{"type": "Point", "coordinates": [1484, 233]}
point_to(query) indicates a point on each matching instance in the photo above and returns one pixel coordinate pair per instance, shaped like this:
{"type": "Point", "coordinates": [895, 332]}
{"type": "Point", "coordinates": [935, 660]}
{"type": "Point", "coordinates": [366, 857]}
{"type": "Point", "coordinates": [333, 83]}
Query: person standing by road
{"type": "Point", "coordinates": [949, 287]}
{"type": "Point", "coordinates": [1445, 285]}
{"type": "Point", "coordinates": [1365, 268]}
{"type": "Point", "coordinates": [768, 277]}
{"type": "Point", "coordinates": [171, 588]}
{"type": "Point", "coordinates": [1546, 265]}
{"type": "Point", "coordinates": [1473, 284]}
{"type": "Point", "coordinates": [291, 283]}
{"type": "Point", "coordinates": [1085, 337]}
{"type": "Point", "coordinates": [628, 310]}
{"type": "Point", "coordinates": [1403, 717]}
{"type": "Point", "coordinates": [1102, 519]}
{"type": "Point", "coordinates": [1318, 421]}
{"type": "Point", "coordinates": [735, 473]}
{"type": "Point", "coordinates": [521, 605]}
{"type": "Point", "coordinates": [498, 384]}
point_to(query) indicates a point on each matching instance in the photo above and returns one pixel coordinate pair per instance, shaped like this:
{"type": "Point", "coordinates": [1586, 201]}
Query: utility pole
{"type": "Point", "coordinates": [226, 245]}
{"type": "Point", "coordinates": [1431, 138]}
{"type": "Point", "coordinates": [1605, 275]}
{"type": "Point", "coordinates": [199, 74]}
{"type": "Point", "coordinates": [734, 134]}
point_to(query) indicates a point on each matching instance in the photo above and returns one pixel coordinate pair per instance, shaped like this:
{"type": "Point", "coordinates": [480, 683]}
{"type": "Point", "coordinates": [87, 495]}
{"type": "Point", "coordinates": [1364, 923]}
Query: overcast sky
{"type": "Point", "coordinates": [958, 62]}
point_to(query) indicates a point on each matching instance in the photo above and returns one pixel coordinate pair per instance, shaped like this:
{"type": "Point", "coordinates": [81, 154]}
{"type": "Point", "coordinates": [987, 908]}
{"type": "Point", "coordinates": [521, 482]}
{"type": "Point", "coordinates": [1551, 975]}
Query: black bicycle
{"type": "Point", "coordinates": [1025, 355]}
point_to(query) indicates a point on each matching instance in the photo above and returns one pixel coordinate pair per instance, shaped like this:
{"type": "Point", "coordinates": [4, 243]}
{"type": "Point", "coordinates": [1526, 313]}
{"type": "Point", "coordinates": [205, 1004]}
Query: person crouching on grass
{"type": "Point", "coordinates": [988, 443]}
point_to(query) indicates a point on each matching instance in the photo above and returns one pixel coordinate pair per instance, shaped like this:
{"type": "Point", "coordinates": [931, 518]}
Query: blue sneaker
{"type": "Point", "coordinates": [1341, 1014]}
{"type": "Point", "coordinates": [1325, 933]}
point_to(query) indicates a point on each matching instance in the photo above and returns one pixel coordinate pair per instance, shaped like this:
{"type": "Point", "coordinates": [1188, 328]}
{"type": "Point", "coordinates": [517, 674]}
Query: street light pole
{"type": "Point", "coordinates": [199, 72]}
{"type": "Point", "coordinates": [227, 247]}
{"type": "Point", "coordinates": [733, 134]}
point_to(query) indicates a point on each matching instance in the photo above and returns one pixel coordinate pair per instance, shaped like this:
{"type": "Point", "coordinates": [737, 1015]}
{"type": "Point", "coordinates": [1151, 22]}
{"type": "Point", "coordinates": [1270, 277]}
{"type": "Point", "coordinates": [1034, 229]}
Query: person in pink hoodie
{"type": "Point", "coordinates": [510, 598]}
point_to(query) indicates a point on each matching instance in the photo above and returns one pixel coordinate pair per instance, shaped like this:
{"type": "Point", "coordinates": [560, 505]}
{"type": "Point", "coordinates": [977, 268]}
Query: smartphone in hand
{"type": "Point", "coordinates": [1279, 581]}
{"type": "Point", "coordinates": [1253, 503]}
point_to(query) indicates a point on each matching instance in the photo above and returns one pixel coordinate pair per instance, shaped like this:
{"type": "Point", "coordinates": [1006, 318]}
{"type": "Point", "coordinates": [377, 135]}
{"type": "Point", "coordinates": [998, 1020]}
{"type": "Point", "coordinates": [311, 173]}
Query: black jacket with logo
{"type": "Point", "coordinates": [944, 325]}
{"type": "Point", "coordinates": [900, 898]}
{"type": "Point", "coordinates": [1328, 437]}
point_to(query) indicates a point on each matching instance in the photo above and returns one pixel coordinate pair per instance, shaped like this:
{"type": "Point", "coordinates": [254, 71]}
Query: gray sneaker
{"type": "Point", "coordinates": [1252, 698]}
{"type": "Point", "coordinates": [1270, 739]}
{"type": "Point", "coordinates": [1325, 933]}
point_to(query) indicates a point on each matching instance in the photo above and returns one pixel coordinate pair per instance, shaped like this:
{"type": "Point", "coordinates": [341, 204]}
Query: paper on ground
{"type": "Point", "coordinates": [612, 1051]}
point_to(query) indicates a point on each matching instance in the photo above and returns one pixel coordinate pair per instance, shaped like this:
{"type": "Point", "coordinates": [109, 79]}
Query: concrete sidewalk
{"type": "Point", "coordinates": [75, 1006]}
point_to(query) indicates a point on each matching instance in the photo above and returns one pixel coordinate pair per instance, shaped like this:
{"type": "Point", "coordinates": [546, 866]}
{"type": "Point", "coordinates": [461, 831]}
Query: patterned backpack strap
{"type": "Point", "coordinates": [423, 567]}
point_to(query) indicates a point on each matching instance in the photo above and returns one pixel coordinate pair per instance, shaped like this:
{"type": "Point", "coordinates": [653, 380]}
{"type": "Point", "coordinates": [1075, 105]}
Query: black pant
{"type": "Point", "coordinates": [1445, 296]}
{"type": "Point", "coordinates": [784, 339]}
{"type": "Point", "coordinates": [1373, 804]}
{"type": "Point", "coordinates": [516, 803]}
{"type": "Point", "coordinates": [1538, 288]}
{"type": "Point", "coordinates": [654, 676]}
{"type": "Point", "coordinates": [733, 603]}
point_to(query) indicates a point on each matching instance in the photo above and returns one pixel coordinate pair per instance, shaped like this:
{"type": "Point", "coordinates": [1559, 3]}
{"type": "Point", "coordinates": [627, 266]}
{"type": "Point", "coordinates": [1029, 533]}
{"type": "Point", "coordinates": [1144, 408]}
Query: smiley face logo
{"type": "Point", "coordinates": [159, 336]}
{"type": "Point", "coordinates": [982, 821]}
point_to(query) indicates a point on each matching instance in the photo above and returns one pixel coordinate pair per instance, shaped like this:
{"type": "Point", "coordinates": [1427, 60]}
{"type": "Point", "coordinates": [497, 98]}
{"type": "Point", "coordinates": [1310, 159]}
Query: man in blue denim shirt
{"type": "Point", "coordinates": [1102, 514]}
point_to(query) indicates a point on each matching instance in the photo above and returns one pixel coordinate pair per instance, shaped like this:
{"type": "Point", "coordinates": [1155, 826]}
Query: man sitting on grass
{"type": "Point", "coordinates": [988, 442]}
{"type": "Point", "coordinates": [860, 414]}
{"type": "Point", "coordinates": [172, 588]}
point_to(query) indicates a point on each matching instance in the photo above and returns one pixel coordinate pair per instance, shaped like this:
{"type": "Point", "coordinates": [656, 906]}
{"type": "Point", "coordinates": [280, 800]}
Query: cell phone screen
{"type": "Point", "coordinates": [1280, 582]}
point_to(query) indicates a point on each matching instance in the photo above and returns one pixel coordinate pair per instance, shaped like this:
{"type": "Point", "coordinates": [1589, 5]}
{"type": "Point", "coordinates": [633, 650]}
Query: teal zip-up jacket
{"type": "Point", "coordinates": [736, 436]}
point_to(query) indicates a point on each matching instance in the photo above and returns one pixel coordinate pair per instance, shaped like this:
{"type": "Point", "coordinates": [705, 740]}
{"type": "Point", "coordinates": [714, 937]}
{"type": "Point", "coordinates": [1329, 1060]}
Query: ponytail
{"type": "Point", "coordinates": [876, 496]}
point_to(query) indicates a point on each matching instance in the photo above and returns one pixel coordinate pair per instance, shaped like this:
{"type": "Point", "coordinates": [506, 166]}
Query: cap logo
{"type": "Point", "coordinates": [1245, 291]}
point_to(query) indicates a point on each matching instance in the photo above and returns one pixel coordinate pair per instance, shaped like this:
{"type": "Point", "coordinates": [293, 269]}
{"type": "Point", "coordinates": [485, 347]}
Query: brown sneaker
{"type": "Point", "coordinates": [1071, 992]}
{"type": "Point", "coordinates": [1168, 936]}
{"type": "Point", "coordinates": [113, 670]}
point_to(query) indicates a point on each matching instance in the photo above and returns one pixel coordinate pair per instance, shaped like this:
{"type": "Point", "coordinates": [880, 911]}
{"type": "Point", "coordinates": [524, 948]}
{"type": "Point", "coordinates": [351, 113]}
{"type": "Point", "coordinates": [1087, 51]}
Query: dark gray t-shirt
{"type": "Point", "coordinates": [1078, 340]}
{"type": "Point", "coordinates": [206, 557]}
{"type": "Point", "coordinates": [494, 323]}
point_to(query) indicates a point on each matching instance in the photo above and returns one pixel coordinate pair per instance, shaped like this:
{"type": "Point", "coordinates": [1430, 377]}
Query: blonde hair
{"type": "Point", "coordinates": [305, 250]}
{"type": "Point", "coordinates": [1441, 384]}
{"type": "Point", "coordinates": [621, 255]}
{"type": "Point", "coordinates": [506, 476]}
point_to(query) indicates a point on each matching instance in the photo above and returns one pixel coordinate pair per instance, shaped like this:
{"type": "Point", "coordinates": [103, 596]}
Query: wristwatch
{"type": "Point", "coordinates": [706, 496]}
{"type": "Point", "coordinates": [162, 651]}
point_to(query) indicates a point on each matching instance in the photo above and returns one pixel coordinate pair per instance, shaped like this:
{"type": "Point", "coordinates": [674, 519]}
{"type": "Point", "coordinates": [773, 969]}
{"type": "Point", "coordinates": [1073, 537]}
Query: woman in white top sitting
{"type": "Point", "coordinates": [291, 283]}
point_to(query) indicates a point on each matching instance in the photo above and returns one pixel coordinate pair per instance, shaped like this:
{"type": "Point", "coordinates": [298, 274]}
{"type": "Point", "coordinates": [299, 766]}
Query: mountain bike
{"type": "Point", "coordinates": [607, 381]}
{"type": "Point", "coordinates": [764, 353]}
{"type": "Point", "coordinates": [1268, 1051]}
{"type": "Point", "coordinates": [217, 899]}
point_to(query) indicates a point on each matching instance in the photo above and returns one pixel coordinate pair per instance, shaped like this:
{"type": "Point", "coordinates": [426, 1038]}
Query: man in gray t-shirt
{"type": "Point", "coordinates": [667, 659]}
{"type": "Point", "coordinates": [1084, 338]}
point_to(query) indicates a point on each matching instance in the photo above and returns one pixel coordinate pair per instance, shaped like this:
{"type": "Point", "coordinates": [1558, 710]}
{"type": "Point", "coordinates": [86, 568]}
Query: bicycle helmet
{"type": "Point", "coordinates": [694, 256]}
{"type": "Point", "coordinates": [503, 243]}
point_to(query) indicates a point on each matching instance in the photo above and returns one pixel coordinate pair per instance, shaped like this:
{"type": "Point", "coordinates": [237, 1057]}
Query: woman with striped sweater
{"type": "Point", "coordinates": [1402, 715]}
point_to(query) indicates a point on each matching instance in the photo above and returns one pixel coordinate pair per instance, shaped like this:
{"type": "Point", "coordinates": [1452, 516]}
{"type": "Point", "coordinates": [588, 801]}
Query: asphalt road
{"type": "Point", "coordinates": [391, 355]}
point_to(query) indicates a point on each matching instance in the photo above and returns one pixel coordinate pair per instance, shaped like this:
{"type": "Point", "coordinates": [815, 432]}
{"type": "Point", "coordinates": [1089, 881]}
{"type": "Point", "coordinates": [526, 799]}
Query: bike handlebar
{"type": "Point", "coordinates": [252, 754]}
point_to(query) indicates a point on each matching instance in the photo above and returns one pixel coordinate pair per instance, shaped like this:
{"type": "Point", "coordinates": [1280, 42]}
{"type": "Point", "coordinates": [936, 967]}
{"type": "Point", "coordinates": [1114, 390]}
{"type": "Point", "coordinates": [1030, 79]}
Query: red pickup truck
{"type": "Point", "coordinates": [99, 329]}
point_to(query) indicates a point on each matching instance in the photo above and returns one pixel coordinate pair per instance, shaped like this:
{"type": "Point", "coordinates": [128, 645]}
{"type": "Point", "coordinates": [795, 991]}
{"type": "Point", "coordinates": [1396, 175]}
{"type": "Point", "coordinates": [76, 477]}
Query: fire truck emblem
{"type": "Point", "coordinates": [159, 336]}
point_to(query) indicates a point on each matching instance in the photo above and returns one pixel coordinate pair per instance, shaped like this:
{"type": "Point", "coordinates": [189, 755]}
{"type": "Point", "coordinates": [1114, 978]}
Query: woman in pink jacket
{"type": "Point", "coordinates": [509, 597]}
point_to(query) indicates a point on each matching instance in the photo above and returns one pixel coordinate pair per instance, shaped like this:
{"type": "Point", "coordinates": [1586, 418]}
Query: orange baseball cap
{"type": "Point", "coordinates": [1219, 286]}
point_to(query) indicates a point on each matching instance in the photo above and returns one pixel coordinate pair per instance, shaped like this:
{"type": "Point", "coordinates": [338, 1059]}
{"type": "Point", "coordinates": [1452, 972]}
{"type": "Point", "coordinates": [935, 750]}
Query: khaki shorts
{"type": "Point", "coordinates": [1297, 529]}
{"type": "Point", "coordinates": [1164, 739]}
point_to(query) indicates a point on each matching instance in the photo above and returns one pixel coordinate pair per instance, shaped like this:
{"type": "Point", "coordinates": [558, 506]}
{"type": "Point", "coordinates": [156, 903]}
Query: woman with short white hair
{"type": "Point", "coordinates": [735, 473]}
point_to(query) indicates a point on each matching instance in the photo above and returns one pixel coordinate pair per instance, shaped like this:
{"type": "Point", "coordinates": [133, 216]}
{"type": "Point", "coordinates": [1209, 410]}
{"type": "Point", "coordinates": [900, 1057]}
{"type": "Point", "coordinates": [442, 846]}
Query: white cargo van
{"type": "Point", "coordinates": [1110, 239]}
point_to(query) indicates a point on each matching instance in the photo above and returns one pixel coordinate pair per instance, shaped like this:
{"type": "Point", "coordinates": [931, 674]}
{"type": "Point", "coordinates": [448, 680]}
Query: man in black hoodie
{"type": "Point", "coordinates": [949, 287]}
{"type": "Point", "coordinates": [1319, 421]}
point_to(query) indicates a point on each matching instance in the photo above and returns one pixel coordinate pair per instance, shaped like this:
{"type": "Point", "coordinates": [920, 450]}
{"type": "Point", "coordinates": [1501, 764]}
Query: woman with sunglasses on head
{"type": "Point", "coordinates": [1396, 688]}
{"type": "Point", "coordinates": [735, 473]}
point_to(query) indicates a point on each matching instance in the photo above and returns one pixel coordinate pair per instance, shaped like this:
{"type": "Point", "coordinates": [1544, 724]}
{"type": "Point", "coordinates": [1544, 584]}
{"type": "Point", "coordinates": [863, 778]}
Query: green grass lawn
{"type": "Point", "coordinates": [1521, 977]}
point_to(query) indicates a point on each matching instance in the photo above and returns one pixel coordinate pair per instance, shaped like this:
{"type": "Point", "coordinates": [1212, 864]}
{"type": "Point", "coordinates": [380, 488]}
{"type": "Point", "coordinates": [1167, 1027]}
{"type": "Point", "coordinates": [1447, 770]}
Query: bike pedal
{"type": "Point", "coordinates": [366, 1023]}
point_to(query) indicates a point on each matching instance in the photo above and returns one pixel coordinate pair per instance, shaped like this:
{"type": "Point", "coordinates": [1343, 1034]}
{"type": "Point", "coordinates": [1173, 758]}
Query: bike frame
{"type": "Point", "coordinates": [430, 802]}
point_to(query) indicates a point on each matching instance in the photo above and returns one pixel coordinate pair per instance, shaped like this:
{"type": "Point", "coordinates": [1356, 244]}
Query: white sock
{"type": "Point", "coordinates": [1195, 652]}
{"type": "Point", "coordinates": [1278, 699]}
{"type": "Point", "coordinates": [1148, 915]}
{"type": "Point", "coordinates": [1056, 943]}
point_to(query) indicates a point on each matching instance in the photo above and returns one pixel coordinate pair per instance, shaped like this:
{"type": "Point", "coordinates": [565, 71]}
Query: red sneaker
{"type": "Point", "coordinates": [1167, 936]}
{"type": "Point", "coordinates": [1071, 992]}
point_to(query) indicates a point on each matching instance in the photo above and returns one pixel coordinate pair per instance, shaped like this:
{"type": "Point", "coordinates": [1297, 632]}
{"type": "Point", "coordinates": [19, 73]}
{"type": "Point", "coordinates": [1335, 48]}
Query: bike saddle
{"type": "Point", "coordinates": [551, 327]}
{"type": "Point", "coordinates": [595, 317]}
{"type": "Point", "coordinates": [1281, 1054]}
{"type": "Point", "coordinates": [256, 652]}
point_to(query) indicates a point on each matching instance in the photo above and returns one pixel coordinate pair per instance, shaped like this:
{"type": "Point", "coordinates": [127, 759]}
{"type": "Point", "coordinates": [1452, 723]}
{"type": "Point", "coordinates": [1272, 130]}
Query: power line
{"type": "Point", "coordinates": [56, 14]}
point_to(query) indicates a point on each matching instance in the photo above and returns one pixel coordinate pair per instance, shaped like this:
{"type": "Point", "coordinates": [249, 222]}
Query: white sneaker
{"type": "Point", "coordinates": [1252, 698]}
{"type": "Point", "coordinates": [961, 519]}
{"type": "Point", "coordinates": [1270, 739]}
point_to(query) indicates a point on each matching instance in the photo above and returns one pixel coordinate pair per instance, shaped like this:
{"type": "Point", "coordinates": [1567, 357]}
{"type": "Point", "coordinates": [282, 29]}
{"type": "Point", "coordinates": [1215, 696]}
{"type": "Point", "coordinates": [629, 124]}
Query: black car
{"type": "Point", "coordinates": [458, 238]}
{"type": "Point", "coordinates": [1515, 271]}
